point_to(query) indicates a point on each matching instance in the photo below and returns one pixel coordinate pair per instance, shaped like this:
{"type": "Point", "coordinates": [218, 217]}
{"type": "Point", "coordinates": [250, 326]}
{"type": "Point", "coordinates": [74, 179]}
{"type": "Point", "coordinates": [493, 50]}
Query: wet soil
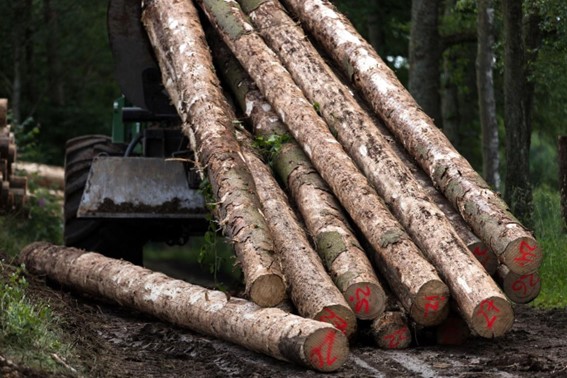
{"type": "Point", "coordinates": [112, 341]}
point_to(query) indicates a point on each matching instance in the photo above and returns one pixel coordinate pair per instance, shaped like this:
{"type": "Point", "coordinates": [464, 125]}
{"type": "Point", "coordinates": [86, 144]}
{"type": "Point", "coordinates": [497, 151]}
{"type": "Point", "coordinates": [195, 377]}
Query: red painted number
{"type": "Point", "coordinates": [432, 305]}
{"type": "Point", "coordinates": [486, 309]}
{"type": "Point", "coordinates": [394, 339]}
{"type": "Point", "coordinates": [334, 319]}
{"type": "Point", "coordinates": [481, 255]}
{"type": "Point", "coordinates": [526, 254]}
{"type": "Point", "coordinates": [322, 354]}
{"type": "Point", "coordinates": [361, 299]}
{"type": "Point", "coordinates": [525, 283]}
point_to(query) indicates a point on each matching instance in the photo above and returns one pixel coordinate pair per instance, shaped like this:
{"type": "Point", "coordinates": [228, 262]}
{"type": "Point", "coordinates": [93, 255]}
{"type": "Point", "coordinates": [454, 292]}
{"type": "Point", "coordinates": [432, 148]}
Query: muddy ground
{"type": "Point", "coordinates": [116, 342]}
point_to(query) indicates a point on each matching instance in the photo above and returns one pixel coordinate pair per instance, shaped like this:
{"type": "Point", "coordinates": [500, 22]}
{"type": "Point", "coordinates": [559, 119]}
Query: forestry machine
{"type": "Point", "coordinates": [138, 184]}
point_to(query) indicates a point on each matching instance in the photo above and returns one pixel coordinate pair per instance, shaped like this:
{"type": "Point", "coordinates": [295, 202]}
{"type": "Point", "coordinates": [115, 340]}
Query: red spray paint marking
{"type": "Point", "coordinates": [485, 309]}
{"type": "Point", "coordinates": [394, 339]}
{"type": "Point", "coordinates": [361, 302]}
{"type": "Point", "coordinates": [334, 319]}
{"type": "Point", "coordinates": [526, 254]}
{"type": "Point", "coordinates": [433, 302]}
{"type": "Point", "coordinates": [327, 347]}
{"type": "Point", "coordinates": [481, 255]}
{"type": "Point", "coordinates": [521, 285]}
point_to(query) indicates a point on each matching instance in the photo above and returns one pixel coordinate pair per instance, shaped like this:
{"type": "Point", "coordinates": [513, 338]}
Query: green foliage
{"type": "Point", "coordinates": [272, 145]}
{"type": "Point", "coordinates": [28, 330]}
{"type": "Point", "coordinates": [553, 240]}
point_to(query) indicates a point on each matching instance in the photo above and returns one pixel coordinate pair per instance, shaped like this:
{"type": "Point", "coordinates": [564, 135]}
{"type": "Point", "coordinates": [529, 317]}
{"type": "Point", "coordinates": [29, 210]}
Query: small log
{"type": "Point", "coordinates": [391, 331]}
{"type": "Point", "coordinates": [485, 212]}
{"type": "Point", "coordinates": [334, 240]}
{"type": "Point", "coordinates": [48, 176]}
{"type": "Point", "coordinates": [266, 330]}
{"type": "Point", "coordinates": [186, 66]}
{"type": "Point", "coordinates": [3, 112]}
{"type": "Point", "coordinates": [312, 291]}
{"type": "Point", "coordinates": [453, 331]}
{"type": "Point", "coordinates": [562, 157]}
{"type": "Point", "coordinates": [520, 288]}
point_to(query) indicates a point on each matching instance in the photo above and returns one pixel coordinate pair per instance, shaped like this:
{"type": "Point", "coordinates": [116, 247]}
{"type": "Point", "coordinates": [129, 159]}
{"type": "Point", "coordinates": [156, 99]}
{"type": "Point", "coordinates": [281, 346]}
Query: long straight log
{"type": "Point", "coordinates": [395, 249]}
{"type": "Point", "coordinates": [335, 242]}
{"type": "Point", "coordinates": [483, 210]}
{"type": "Point", "coordinates": [469, 282]}
{"type": "Point", "coordinates": [312, 290]}
{"type": "Point", "coordinates": [187, 69]}
{"type": "Point", "coordinates": [265, 330]}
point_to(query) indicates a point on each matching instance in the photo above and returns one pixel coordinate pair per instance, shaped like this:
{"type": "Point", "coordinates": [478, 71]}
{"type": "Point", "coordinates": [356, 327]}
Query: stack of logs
{"type": "Point", "coordinates": [13, 192]}
{"type": "Point", "coordinates": [429, 238]}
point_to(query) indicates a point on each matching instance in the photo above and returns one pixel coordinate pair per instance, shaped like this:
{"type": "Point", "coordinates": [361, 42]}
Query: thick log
{"type": "Point", "coordinates": [483, 209]}
{"type": "Point", "coordinates": [468, 280]}
{"type": "Point", "coordinates": [48, 176]}
{"type": "Point", "coordinates": [266, 330]}
{"type": "Point", "coordinates": [520, 288]}
{"type": "Point", "coordinates": [187, 69]}
{"type": "Point", "coordinates": [312, 290]}
{"type": "Point", "coordinates": [335, 242]}
{"type": "Point", "coordinates": [406, 265]}
{"type": "Point", "coordinates": [390, 330]}
{"type": "Point", "coordinates": [562, 156]}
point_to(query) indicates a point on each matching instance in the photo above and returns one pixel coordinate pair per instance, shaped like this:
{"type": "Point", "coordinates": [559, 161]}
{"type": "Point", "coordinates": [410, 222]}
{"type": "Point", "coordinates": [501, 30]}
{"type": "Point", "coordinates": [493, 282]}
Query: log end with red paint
{"type": "Point", "coordinates": [366, 299]}
{"type": "Point", "coordinates": [522, 256]}
{"type": "Point", "coordinates": [492, 317]}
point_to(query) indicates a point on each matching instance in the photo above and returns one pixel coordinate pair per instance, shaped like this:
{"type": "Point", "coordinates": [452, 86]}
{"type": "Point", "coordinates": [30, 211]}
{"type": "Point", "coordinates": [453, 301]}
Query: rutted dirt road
{"type": "Point", "coordinates": [115, 342]}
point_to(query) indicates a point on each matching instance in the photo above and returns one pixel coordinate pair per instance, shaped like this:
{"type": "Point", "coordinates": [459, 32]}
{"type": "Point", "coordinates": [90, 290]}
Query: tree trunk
{"type": "Point", "coordinates": [518, 191]}
{"type": "Point", "coordinates": [520, 288]}
{"type": "Point", "coordinates": [562, 156]}
{"type": "Point", "coordinates": [266, 330]}
{"type": "Point", "coordinates": [311, 289]}
{"type": "Point", "coordinates": [424, 56]}
{"type": "Point", "coordinates": [335, 242]}
{"type": "Point", "coordinates": [51, 20]}
{"type": "Point", "coordinates": [483, 210]}
{"type": "Point", "coordinates": [207, 122]}
{"type": "Point", "coordinates": [3, 112]}
{"type": "Point", "coordinates": [486, 100]}
{"type": "Point", "coordinates": [356, 131]}
{"type": "Point", "coordinates": [408, 270]}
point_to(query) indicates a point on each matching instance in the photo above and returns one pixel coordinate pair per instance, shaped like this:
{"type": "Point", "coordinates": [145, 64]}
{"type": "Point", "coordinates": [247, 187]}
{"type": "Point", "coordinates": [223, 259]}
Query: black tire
{"type": "Point", "coordinates": [112, 238]}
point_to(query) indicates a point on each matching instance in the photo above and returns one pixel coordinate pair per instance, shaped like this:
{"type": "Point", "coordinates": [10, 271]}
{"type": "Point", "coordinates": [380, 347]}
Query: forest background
{"type": "Point", "coordinates": [492, 74]}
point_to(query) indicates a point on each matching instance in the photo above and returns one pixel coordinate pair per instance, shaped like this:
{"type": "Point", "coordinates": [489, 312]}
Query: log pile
{"type": "Point", "coordinates": [378, 217]}
{"type": "Point", "coordinates": [13, 189]}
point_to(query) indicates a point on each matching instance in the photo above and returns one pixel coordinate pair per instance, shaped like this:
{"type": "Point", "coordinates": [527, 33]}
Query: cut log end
{"type": "Point", "coordinates": [493, 317]}
{"type": "Point", "coordinates": [519, 288]}
{"type": "Point", "coordinates": [431, 305]}
{"type": "Point", "coordinates": [453, 331]}
{"type": "Point", "coordinates": [366, 299]}
{"type": "Point", "coordinates": [325, 350]}
{"type": "Point", "coordinates": [268, 290]}
{"type": "Point", "coordinates": [339, 316]}
{"type": "Point", "coordinates": [485, 256]}
{"type": "Point", "coordinates": [390, 331]}
{"type": "Point", "coordinates": [3, 112]}
{"type": "Point", "coordinates": [522, 256]}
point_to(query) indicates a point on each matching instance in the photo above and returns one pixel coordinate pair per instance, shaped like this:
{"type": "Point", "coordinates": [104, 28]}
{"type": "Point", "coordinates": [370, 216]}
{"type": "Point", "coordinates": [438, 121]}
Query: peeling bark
{"type": "Point", "coordinates": [265, 330]}
{"type": "Point", "coordinates": [311, 289]}
{"type": "Point", "coordinates": [334, 240]}
{"type": "Point", "coordinates": [408, 271]}
{"type": "Point", "coordinates": [392, 179]}
{"type": "Point", "coordinates": [179, 43]}
{"type": "Point", "coordinates": [483, 210]}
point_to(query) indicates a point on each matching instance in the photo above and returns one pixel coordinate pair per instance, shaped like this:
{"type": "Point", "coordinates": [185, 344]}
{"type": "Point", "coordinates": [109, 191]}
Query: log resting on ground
{"type": "Point", "coordinates": [179, 43]}
{"type": "Point", "coordinates": [266, 330]}
{"type": "Point", "coordinates": [520, 288]}
{"type": "Point", "coordinates": [484, 210]}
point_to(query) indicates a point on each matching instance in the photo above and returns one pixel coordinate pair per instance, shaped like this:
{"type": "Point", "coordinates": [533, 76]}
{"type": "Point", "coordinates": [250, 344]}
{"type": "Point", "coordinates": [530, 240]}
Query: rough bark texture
{"type": "Point", "coordinates": [483, 210]}
{"type": "Point", "coordinates": [183, 56]}
{"type": "Point", "coordinates": [48, 176]}
{"type": "Point", "coordinates": [392, 179]}
{"type": "Point", "coordinates": [562, 156]}
{"type": "Point", "coordinates": [424, 56]}
{"type": "Point", "coordinates": [334, 240]}
{"type": "Point", "coordinates": [311, 289]}
{"type": "Point", "coordinates": [266, 330]}
{"type": "Point", "coordinates": [408, 271]}
{"type": "Point", "coordinates": [485, 87]}
{"type": "Point", "coordinates": [518, 193]}
{"type": "Point", "coordinates": [391, 331]}
{"type": "Point", "coordinates": [520, 288]}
